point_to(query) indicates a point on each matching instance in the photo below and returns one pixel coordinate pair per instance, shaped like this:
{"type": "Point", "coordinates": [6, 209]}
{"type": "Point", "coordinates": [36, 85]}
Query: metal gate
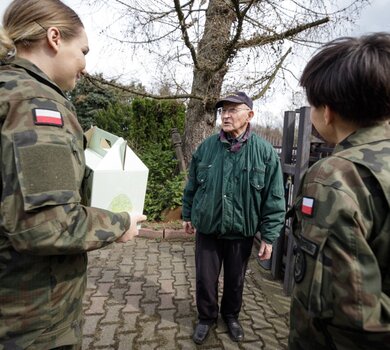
{"type": "Point", "coordinates": [301, 147]}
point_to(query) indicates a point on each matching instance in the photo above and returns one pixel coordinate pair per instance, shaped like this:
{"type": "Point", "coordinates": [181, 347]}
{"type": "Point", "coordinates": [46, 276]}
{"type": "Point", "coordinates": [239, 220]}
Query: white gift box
{"type": "Point", "coordinates": [115, 178]}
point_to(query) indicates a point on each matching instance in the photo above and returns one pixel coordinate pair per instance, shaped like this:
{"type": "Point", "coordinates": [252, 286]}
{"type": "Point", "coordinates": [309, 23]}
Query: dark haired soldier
{"type": "Point", "coordinates": [341, 298]}
{"type": "Point", "coordinates": [235, 189]}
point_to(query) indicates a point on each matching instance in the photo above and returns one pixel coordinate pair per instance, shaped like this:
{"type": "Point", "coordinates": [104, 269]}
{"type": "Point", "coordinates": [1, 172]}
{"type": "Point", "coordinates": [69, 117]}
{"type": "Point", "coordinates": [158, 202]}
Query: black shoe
{"type": "Point", "coordinates": [201, 332]}
{"type": "Point", "coordinates": [235, 330]}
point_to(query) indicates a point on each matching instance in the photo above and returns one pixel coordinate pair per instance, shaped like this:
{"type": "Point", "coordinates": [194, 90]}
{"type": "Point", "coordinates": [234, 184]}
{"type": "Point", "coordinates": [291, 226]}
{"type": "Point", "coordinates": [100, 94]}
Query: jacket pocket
{"type": "Point", "coordinates": [202, 174]}
{"type": "Point", "coordinates": [256, 178]}
{"type": "Point", "coordinates": [47, 168]}
{"type": "Point", "coordinates": [38, 239]}
{"type": "Point", "coordinates": [313, 274]}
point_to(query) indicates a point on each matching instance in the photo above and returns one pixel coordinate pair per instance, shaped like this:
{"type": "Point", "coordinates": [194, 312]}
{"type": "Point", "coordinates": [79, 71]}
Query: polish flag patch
{"type": "Point", "coordinates": [47, 117]}
{"type": "Point", "coordinates": [307, 206]}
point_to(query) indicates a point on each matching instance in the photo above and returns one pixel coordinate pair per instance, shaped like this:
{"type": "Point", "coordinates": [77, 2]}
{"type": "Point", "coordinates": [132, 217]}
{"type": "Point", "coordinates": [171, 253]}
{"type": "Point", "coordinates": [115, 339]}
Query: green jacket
{"type": "Point", "coordinates": [341, 298]}
{"type": "Point", "coordinates": [44, 231]}
{"type": "Point", "coordinates": [235, 194]}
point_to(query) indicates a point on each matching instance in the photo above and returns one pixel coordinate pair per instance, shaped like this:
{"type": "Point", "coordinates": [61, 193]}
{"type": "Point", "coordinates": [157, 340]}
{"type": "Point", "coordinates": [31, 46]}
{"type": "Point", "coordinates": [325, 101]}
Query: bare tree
{"type": "Point", "coordinates": [227, 44]}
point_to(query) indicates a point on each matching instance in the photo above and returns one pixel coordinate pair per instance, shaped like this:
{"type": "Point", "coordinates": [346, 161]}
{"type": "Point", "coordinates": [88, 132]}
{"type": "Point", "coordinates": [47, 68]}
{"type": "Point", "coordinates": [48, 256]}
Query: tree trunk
{"type": "Point", "coordinates": [207, 79]}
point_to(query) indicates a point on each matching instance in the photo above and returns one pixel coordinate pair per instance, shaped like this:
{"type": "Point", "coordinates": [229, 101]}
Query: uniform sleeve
{"type": "Point", "coordinates": [190, 190]}
{"type": "Point", "coordinates": [42, 171]}
{"type": "Point", "coordinates": [273, 203]}
{"type": "Point", "coordinates": [337, 275]}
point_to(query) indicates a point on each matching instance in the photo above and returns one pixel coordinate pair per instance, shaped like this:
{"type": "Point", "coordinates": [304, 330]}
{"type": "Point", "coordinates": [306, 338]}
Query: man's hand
{"type": "Point", "coordinates": [133, 230]}
{"type": "Point", "coordinates": [265, 251]}
{"type": "Point", "coordinates": [188, 228]}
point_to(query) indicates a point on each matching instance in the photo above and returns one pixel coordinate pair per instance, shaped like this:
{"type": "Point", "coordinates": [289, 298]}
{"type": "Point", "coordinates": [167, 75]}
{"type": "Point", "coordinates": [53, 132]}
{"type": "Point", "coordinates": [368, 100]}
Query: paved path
{"type": "Point", "coordinates": [140, 295]}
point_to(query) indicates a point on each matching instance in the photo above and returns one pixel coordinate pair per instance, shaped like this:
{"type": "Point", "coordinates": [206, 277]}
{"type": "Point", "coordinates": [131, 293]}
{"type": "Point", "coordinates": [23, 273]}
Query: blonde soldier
{"type": "Point", "coordinates": [44, 231]}
{"type": "Point", "coordinates": [341, 298]}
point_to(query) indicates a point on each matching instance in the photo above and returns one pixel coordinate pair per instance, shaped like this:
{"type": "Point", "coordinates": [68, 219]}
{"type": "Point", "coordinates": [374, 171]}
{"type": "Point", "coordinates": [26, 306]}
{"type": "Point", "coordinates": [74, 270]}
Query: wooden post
{"type": "Point", "coordinates": [176, 140]}
{"type": "Point", "coordinates": [285, 158]}
{"type": "Point", "coordinates": [301, 165]}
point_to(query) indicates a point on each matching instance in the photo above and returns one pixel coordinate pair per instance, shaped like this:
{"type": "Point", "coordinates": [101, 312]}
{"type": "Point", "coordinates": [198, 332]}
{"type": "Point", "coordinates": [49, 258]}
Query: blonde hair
{"type": "Point", "coordinates": [27, 21]}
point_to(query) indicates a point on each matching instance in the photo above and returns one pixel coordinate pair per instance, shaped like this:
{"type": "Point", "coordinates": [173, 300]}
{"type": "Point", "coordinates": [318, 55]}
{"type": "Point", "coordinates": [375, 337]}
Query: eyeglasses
{"type": "Point", "coordinates": [230, 111]}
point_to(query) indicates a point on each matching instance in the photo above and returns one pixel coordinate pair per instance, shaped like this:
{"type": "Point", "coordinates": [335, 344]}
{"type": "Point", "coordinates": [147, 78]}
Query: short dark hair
{"type": "Point", "coordinates": [352, 77]}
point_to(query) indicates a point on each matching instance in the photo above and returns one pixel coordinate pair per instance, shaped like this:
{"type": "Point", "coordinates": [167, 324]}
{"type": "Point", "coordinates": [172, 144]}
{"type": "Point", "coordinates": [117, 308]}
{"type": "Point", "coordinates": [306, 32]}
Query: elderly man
{"type": "Point", "coordinates": [235, 189]}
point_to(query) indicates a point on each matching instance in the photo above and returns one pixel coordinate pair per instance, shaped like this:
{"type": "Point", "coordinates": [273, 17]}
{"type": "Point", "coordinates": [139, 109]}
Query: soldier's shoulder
{"type": "Point", "coordinates": [375, 156]}
{"type": "Point", "coordinates": [18, 85]}
{"type": "Point", "coordinates": [330, 170]}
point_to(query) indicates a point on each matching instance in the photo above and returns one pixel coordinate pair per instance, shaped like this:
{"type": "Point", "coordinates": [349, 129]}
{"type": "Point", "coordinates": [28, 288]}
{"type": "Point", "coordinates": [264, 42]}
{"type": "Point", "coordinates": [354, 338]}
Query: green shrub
{"type": "Point", "coordinates": [147, 125]}
{"type": "Point", "coordinates": [165, 186]}
{"type": "Point", "coordinates": [151, 128]}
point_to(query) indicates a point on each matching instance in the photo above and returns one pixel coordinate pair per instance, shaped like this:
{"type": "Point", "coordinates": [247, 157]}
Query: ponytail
{"type": "Point", "coordinates": [7, 46]}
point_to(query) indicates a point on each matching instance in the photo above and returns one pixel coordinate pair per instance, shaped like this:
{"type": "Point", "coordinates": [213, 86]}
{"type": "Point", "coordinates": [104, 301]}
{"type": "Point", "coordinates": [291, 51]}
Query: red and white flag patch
{"type": "Point", "coordinates": [307, 206]}
{"type": "Point", "coordinates": [47, 117]}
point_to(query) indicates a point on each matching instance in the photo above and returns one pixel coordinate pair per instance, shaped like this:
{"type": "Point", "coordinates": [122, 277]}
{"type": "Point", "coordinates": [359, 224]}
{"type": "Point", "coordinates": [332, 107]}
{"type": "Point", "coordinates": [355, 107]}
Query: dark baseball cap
{"type": "Point", "coordinates": [236, 97]}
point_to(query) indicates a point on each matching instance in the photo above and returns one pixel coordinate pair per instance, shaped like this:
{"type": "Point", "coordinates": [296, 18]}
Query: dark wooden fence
{"type": "Point", "coordinates": [300, 148]}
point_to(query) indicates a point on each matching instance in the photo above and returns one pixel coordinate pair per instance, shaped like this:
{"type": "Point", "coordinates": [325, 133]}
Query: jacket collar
{"type": "Point", "coordinates": [363, 136]}
{"type": "Point", "coordinates": [235, 143]}
{"type": "Point", "coordinates": [35, 72]}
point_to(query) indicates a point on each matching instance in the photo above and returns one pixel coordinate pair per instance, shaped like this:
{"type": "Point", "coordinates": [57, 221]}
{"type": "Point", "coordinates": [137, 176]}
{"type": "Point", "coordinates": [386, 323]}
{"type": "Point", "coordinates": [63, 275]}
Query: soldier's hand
{"type": "Point", "coordinates": [265, 250]}
{"type": "Point", "coordinates": [188, 228]}
{"type": "Point", "coordinates": [135, 219]}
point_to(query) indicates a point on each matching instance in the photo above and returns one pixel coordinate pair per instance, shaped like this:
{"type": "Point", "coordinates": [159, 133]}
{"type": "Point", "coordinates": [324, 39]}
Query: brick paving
{"type": "Point", "coordinates": [141, 295]}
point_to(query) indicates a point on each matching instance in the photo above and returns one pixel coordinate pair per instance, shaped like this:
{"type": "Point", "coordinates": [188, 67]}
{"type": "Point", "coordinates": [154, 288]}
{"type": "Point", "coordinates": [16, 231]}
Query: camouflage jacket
{"type": "Point", "coordinates": [341, 297]}
{"type": "Point", "coordinates": [44, 230]}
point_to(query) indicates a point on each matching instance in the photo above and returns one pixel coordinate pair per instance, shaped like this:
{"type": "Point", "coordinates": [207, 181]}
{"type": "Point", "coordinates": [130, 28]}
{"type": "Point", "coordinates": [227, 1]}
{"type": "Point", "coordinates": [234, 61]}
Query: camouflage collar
{"type": "Point", "coordinates": [365, 136]}
{"type": "Point", "coordinates": [34, 71]}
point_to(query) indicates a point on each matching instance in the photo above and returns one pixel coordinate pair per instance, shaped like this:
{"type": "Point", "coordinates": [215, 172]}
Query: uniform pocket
{"type": "Point", "coordinates": [313, 274]}
{"type": "Point", "coordinates": [38, 239]}
{"type": "Point", "coordinates": [46, 167]}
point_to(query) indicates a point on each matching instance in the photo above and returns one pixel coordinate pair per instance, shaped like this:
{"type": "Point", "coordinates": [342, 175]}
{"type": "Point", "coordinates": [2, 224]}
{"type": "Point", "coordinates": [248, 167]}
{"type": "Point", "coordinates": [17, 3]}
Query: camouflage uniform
{"type": "Point", "coordinates": [341, 298]}
{"type": "Point", "coordinates": [44, 230]}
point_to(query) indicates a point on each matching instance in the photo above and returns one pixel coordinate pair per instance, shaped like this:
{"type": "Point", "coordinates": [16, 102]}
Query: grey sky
{"type": "Point", "coordinates": [374, 17]}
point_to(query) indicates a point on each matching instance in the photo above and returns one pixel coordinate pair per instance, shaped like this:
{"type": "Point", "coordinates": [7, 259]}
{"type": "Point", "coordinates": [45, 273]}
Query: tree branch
{"type": "Point", "coordinates": [148, 41]}
{"type": "Point", "coordinates": [272, 77]}
{"type": "Point", "coordinates": [95, 79]}
{"type": "Point", "coordinates": [149, 13]}
{"type": "Point", "coordinates": [263, 40]}
{"type": "Point", "coordinates": [231, 47]}
{"type": "Point", "coordinates": [186, 38]}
